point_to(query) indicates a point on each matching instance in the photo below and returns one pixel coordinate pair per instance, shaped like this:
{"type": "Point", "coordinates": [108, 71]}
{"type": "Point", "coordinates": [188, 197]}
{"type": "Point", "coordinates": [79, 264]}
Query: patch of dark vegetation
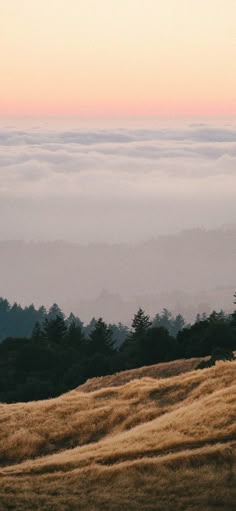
{"type": "Point", "coordinates": [217, 354]}
{"type": "Point", "coordinates": [61, 354]}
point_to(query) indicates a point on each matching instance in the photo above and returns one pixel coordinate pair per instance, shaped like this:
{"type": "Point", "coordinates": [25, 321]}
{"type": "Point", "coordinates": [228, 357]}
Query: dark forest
{"type": "Point", "coordinates": [43, 353]}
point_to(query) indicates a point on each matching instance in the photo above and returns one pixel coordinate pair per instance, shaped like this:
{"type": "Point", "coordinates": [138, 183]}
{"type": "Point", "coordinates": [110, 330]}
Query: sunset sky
{"type": "Point", "coordinates": [118, 57]}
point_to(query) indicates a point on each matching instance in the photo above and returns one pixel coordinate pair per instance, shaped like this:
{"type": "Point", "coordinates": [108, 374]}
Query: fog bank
{"type": "Point", "coordinates": [115, 184]}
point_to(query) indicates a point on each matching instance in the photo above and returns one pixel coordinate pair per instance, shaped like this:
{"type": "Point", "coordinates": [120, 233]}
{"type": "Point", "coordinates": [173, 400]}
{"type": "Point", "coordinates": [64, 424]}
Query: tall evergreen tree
{"type": "Point", "coordinates": [72, 319]}
{"type": "Point", "coordinates": [141, 322]}
{"type": "Point", "coordinates": [178, 325]}
{"type": "Point", "coordinates": [100, 339]}
{"type": "Point", "coordinates": [54, 312]}
{"type": "Point", "coordinates": [90, 327]}
{"type": "Point", "coordinates": [120, 333]}
{"type": "Point", "coordinates": [37, 332]}
{"type": "Point", "coordinates": [132, 347]}
{"type": "Point", "coordinates": [55, 329]}
{"type": "Point", "coordinates": [75, 336]}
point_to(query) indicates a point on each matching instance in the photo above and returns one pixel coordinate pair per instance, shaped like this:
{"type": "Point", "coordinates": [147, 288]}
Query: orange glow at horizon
{"type": "Point", "coordinates": [104, 57]}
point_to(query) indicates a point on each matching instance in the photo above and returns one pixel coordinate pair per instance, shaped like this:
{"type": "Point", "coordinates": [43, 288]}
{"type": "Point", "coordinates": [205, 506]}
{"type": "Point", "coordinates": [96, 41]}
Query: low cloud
{"type": "Point", "coordinates": [134, 167]}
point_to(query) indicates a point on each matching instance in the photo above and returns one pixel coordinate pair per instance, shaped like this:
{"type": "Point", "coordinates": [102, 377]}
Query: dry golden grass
{"type": "Point", "coordinates": [79, 417]}
{"type": "Point", "coordinates": [145, 444]}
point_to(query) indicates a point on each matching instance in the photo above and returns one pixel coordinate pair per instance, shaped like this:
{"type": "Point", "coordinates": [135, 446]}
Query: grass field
{"type": "Point", "coordinates": [154, 438]}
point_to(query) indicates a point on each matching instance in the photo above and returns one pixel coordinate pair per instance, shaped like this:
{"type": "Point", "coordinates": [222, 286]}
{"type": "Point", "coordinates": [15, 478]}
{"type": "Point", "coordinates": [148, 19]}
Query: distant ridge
{"type": "Point", "coordinates": [187, 273]}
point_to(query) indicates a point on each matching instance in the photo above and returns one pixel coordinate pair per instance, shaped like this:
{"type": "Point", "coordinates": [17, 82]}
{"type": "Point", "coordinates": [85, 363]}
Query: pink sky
{"type": "Point", "coordinates": [104, 57]}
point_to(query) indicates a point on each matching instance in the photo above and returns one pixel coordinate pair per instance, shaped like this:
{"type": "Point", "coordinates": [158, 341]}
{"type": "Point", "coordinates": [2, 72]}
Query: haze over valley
{"type": "Point", "coordinates": [187, 273]}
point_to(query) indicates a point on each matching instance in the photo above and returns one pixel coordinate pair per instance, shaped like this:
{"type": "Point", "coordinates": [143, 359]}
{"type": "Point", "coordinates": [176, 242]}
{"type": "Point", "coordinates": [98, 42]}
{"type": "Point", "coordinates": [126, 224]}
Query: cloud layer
{"type": "Point", "coordinates": [109, 174]}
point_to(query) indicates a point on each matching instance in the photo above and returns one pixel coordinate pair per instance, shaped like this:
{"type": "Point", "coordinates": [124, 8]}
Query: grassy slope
{"type": "Point", "coordinates": [125, 444]}
{"type": "Point", "coordinates": [164, 370]}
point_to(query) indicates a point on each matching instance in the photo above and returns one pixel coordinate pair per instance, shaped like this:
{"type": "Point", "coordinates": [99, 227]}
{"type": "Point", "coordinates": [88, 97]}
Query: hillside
{"type": "Point", "coordinates": [162, 370]}
{"type": "Point", "coordinates": [141, 440]}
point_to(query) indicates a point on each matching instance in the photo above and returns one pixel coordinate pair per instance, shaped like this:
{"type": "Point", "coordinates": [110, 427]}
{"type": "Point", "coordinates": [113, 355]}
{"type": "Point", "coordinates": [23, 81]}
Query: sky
{"type": "Point", "coordinates": [118, 58]}
{"type": "Point", "coordinates": [117, 118]}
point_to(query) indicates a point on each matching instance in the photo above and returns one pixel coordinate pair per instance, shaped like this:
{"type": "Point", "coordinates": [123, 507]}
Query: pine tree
{"type": "Point", "coordinates": [42, 313]}
{"type": "Point", "coordinates": [54, 312]}
{"type": "Point", "coordinates": [75, 335]}
{"type": "Point", "coordinates": [55, 329]}
{"type": "Point", "coordinates": [37, 332]}
{"type": "Point", "coordinates": [137, 337]}
{"type": "Point", "coordinates": [141, 322]}
{"type": "Point", "coordinates": [120, 333]}
{"type": "Point", "coordinates": [178, 324]}
{"type": "Point", "coordinates": [72, 319]}
{"type": "Point", "coordinates": [90, 327]}
{"type": "Point", "coordinates": [100, 339]}
{"type": "Point", "coordinates": [164, 320]}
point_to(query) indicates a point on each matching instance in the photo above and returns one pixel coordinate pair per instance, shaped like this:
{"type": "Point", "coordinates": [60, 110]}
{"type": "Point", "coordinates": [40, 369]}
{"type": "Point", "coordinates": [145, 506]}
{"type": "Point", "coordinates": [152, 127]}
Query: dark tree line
{"type": "Point", "coordinates": [61, 353]}
{"type": "Point", "coordinates": [16, 321]}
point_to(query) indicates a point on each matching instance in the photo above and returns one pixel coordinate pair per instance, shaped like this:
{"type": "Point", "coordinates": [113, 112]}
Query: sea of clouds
{"type": "Point", "coordinates": [115, 184]}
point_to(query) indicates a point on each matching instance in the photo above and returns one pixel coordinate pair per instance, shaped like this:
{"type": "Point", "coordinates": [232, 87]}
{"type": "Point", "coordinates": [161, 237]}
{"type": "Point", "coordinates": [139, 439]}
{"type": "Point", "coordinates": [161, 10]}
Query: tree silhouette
{"type": "Point", "coordinates": [37, 332]}
{"type": "Point", "coordinates": [133, 345]}
{"type": "Point", "coordinates": [55, 311]}
{"type": "Point", "coordinates": [75, 336]}
{"type": "Point", "coordinates": [120, 333]}
{"type": "Point", "coordinates": [100, 339]}
{"type": "Point", "coordinates": [55, 329]}
{"type": "Point", "coordinates": [141, 322]}
{"type": "Point", "coordinates": [178, 325]}
{"type": "Point", "coordinates": [72, 319]}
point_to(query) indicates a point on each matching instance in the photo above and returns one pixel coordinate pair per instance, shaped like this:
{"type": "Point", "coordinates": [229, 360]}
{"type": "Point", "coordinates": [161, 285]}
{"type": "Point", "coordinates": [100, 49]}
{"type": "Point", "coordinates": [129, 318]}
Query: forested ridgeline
{"type": "Point", "coordinates": [17, 321]}
{"type": "Point", "coordinates": [61, 353]}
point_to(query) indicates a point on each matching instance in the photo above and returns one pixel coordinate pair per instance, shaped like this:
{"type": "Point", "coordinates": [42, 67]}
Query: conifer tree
{"type": "Point", "coordinates": [100, 339]}
{"type": "Point", "coordinates": [37, 332]}
{"type": "Point", "coordinates": [132, 346]}
{"type": "Point", "coordinates": [75, 335]}
{"type": "Point", "coordinates": [55, 311]}
{"type": "Point", "coordinates": [55, 329]}
{"type": "Point", "coordinates": [141, 322]}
